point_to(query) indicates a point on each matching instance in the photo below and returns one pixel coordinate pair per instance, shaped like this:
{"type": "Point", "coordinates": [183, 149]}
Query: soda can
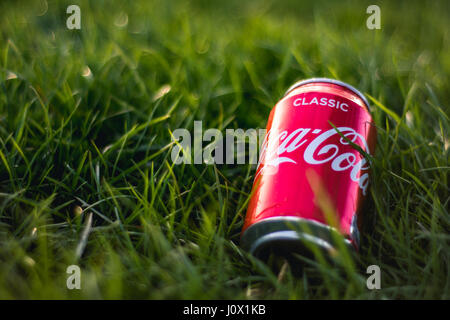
{"type": "Point", "coordinates": [313, 171]}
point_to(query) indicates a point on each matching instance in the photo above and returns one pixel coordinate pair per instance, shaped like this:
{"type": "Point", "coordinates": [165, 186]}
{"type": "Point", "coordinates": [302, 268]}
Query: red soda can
{"type": "Point", "coordinates": [313, 171]}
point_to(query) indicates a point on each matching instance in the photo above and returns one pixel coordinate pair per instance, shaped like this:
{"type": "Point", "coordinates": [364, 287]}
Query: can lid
{"type": "Point", "coordinates": [333, 81]}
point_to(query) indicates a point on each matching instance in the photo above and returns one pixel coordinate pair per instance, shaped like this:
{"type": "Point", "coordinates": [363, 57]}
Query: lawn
{"type": "Point", "coordinates": [86, 116]}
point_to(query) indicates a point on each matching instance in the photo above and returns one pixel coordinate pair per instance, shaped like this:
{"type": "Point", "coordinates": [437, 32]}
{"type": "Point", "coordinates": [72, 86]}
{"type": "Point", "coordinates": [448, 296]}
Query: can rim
{"type": "Point", "coordinates": [288, 228]}
{"type": "Point", "coordinates": [333, 81]}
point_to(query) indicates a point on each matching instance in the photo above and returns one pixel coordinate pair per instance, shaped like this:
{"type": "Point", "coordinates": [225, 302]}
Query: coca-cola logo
{"type": "Point", "coordinates": [278, 146]}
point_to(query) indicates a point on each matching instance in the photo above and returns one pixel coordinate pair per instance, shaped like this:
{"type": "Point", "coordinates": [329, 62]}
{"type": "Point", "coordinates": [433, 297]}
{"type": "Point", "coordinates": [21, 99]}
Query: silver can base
{"type": "Point", "coordinates": [289, 237]}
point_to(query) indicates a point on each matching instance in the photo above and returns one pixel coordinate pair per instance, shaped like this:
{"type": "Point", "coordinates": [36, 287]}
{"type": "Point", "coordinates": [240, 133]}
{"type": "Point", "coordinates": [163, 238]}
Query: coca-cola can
{"type": "Point", "coordinates": [313, 171]}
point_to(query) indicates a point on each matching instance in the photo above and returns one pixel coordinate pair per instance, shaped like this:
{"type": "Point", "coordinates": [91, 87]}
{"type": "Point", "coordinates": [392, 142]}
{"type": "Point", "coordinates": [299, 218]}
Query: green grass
{"type": "Point", "coordinates": [86, 120]}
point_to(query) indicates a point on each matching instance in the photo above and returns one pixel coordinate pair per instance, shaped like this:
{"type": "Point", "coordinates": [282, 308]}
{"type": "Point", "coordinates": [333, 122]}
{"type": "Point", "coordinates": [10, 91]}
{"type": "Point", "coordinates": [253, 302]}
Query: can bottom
{"type": "Point", "coordinates": [289, 237]}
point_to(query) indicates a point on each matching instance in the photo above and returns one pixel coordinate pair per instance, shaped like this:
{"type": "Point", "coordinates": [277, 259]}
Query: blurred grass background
{"type": "Point", "coordinates": [85, 122]}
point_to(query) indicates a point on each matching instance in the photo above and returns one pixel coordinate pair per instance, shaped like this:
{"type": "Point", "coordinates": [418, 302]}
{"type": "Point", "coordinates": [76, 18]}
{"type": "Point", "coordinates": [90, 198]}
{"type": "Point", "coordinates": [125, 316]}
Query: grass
{"type": "Point", "coordinates": [86, 118]}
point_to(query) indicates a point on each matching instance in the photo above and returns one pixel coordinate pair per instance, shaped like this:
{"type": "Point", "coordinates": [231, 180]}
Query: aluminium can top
{"type": "Point", "coordinates": [333, 81]}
